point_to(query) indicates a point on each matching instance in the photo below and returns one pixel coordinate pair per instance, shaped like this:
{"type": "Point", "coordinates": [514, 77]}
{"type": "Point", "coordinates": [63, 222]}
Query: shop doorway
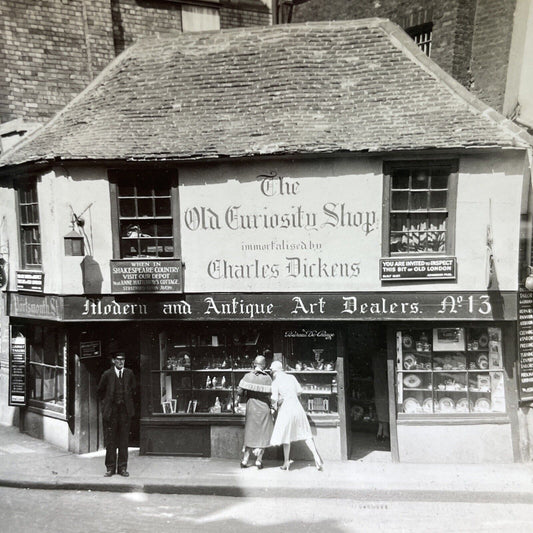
{"type": "Point", "coordinates": [87, 408]}
{"type": "Point", "coordinates": [367, 424]}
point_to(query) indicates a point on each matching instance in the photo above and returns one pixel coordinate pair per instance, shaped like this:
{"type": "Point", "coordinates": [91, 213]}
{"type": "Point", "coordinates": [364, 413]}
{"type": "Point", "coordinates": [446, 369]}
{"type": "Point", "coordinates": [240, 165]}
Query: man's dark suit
{"type": "Point", "coordinates": [117, 416]}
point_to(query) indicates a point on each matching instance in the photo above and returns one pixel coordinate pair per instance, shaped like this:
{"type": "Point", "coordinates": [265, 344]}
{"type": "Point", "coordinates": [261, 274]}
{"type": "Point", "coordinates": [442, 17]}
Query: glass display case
{"type": "Point", "coordinates": [450, 370]}
{"type": "Point", "coordinates": [198, 371]}
{"type": "Point", "coordinates": [311, 355]}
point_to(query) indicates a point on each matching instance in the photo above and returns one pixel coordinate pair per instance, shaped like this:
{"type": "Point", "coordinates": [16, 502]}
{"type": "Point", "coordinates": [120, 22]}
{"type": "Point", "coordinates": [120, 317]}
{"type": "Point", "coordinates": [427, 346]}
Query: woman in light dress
{"type": "Point", "coordinates": [291, 421]}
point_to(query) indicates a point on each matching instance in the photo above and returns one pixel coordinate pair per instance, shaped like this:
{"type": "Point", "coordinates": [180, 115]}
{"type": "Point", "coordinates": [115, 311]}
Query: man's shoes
{"type": "Point", "coordinates": [109, 473]}
{"type": "Point", "coordinates": [124, 473]}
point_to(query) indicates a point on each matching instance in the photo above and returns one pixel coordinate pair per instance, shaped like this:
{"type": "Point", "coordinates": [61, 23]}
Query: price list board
{"type": "Point", "coordinates": [17, 371]}
{"type": "Point", "coordinates": [525, 343]}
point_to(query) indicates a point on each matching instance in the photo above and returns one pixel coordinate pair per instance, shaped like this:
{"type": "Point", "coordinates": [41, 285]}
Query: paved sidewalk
{"type": "Point", "coordinates": [31, 463]}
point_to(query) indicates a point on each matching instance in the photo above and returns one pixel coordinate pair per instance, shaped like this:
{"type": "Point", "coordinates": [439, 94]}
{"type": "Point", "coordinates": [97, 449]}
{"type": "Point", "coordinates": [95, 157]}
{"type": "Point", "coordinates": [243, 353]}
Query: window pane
{"type": "Point", "coordinates": [418, 222]}
{"type": "Point", "coordinates": [168, 247]}
{"type": "Point", "coordinates": [162, 207]}
{"type": "Point", "coordinates": [161, 189]}
{"type": "Point", "coordinates": [398, 242]}
{"type": "Point", "coordinates": [36, 381]}
{"type": "Point", "coordinates": [127, 208]}
{"type": "Point", "coordinates": [438, 221]}
{"type": "Point", "coordinates": [126, 190]}
{"type": "Point", "coordinates": [144, 189]}
{"type": "Point", "coordinates": [438, 199]}
{"type": "Point", "coordinates": [145, 207]}
{"type": "Point", "coordinates": [164, 230]}
{"type": "Point", "coordinates": [437, 241]}
{"type": "Point", "coordinates": [439, 178]}
{"type": "Point", "coordinates": [400, 179]}
{"type": "Point", "coordinates": [400, 200]}
{"type": "Point", "coordinates": [421, 179]}
{"type": "Point", "coordinates": [419, 200]}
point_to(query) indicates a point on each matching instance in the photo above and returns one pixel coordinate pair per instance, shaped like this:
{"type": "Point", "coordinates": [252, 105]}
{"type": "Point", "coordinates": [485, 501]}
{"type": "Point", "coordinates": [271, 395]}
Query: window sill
{"type": "Point", "coordinates": [453, 420]}
{"type": "Point", "coordinates": [42, 408]}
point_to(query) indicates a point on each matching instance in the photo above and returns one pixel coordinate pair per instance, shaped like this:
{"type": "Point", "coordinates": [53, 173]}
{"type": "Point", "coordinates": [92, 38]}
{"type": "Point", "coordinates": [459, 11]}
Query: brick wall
{"type": "Point", "coordinates": [48, 54]}
{"type": "Point", "coordinates": [133, 20]}
{"type": "Point", "coordinates": [490, 51]}
{"type": "Point", "coordinates": [452, 24]}
{"type": "Point", "coordinates": [52, 49]}
{"type": "Point", "coordinates": [235, 18]}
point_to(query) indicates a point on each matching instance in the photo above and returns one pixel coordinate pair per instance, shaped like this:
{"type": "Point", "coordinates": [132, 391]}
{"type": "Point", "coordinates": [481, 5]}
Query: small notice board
{"type": "Point", "coordinates": [17, 371]}
{"type": "Point", "coordinates": [90, 349]}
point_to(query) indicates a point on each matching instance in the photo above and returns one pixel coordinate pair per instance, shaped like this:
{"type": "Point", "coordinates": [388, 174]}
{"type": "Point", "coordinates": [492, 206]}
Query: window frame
{"type": "Point", "coordinates": [116, 177]}
{"type": "Point", "coordinates": [47, 406]}
{"type": "Point", "coordinates": [451, 203]}
{"type": "Point", "coordinates": [22, 185]}
{"type": "Point", "coordinates": [418, 32]}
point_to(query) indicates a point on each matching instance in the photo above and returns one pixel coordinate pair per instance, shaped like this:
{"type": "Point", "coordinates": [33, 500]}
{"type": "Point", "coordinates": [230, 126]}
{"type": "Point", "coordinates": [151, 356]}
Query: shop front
{"type": "Point", "coordinates": [442, 364]}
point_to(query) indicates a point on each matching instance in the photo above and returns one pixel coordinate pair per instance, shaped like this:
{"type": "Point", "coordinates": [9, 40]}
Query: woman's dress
{"type": "Point", "coordinates": [291, 423]}
{"type": "Point", "coordinates": [256, 385]}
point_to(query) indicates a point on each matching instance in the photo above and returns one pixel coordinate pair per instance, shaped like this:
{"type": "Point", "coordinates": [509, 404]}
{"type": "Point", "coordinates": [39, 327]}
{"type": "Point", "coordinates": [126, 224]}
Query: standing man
{"type": "Point", "coordinates": [116, 390]}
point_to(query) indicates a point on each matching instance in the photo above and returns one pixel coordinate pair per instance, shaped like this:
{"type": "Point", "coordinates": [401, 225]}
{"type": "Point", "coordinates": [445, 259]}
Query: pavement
{"type": "Point", "coordinates": [31, 463]}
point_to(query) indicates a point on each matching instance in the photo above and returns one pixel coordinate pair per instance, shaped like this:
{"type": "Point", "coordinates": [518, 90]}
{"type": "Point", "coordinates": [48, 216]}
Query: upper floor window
{"type": "Point", "coordinates": [421, 35]}
{"type": "Point", "coordinates": [30, 234]}
{"type": "Point", "coordinates": [144, 203]}
{"type": "Point", "coordinates": [420, 203]}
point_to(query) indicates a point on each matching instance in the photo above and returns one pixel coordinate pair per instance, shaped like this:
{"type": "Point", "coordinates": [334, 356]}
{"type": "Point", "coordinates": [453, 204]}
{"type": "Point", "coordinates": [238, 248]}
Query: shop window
{"type": "Point", "coordinates": [144, 214]}
{"type": "Point", "coordinates": [420, 208]}
{"type": "Point", "coordinates": [46, 352]}
{"type": "Point", "coordinates": [450, 371]}
{"type": "Point", "coordinates": [422, 35]}
{"type": "Point", "coordinates": [30, 234]}
{"type": "Point", "coordinates": [198, 370]}
{"type": "Point", "coordinates": [311, 356]}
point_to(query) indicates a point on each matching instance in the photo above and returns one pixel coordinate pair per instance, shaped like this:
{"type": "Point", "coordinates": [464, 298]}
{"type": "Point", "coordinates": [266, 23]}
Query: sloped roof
{"type": "Point", "coordinates": [321, 87]}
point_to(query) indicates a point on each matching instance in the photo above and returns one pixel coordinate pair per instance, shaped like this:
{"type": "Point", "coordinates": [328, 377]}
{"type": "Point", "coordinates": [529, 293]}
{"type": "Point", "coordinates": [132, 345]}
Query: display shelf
{"type": "Point", "coordinates": [450, 367]}
{"type": "Point", "coordinates": [311, 371]}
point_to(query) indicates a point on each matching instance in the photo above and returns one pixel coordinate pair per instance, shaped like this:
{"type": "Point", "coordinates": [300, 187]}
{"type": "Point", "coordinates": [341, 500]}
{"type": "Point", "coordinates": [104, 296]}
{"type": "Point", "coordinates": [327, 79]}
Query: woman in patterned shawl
{"type": "Point", "coordinates": [257, 386]}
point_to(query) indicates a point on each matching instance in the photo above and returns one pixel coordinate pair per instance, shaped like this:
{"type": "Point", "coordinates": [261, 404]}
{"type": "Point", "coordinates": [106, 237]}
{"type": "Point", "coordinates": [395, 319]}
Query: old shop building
{"type": "Point", "coordinates": [320, 193]}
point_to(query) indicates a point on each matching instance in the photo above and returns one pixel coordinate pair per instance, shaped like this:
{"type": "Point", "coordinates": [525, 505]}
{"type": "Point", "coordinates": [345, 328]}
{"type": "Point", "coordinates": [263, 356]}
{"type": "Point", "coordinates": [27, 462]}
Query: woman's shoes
{"type": "Point", "coordinates": [285, 466]}
{"type": "Point", "coordinates": [319, 466]}
{"type": "Point", "coordinates": [259, 465]}
{"type": "Point", "coordinates": [244, 465]}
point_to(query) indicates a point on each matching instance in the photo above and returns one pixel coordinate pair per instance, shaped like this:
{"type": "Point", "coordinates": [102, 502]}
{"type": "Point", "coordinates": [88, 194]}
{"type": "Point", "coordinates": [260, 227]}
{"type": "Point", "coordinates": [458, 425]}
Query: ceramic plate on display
{"type": "Point", "coordinates": [446, 405]}
{"type": "Point", "coordinates": [483, 340]}
{"type": "Point", "coordinates": [482, 405]}
{"type": "Point", "coordinates": [430, 406]}
{"type": "Point", "coordinates": [412, 381]}
{"type": "Point", "coordinates": [483, 361]}
{"type": "Point", "coordinates": [409, 361]}
{"type": "Point", "coordinates": [464, 406]}
{"type": "Point", "coordinates": [411, 405]}
{"type": "Point", "coordinates": [407, 341]}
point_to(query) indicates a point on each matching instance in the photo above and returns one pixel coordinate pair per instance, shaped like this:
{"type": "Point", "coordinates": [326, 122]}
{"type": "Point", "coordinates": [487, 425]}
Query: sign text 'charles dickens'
{"type": "Point", "coordinates": [148, 275]}
{"type": "Point", "coordinates": [417, 268]}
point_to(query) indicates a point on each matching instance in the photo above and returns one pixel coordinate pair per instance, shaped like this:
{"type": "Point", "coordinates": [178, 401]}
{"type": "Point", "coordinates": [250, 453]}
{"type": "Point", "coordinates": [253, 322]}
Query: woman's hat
{"type": "Point", "coordinates": [276, 365]}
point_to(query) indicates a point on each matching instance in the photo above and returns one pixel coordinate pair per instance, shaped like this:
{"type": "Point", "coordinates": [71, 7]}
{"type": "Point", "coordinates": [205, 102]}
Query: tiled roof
{"type": "Point", "coordinates": [326, 87]}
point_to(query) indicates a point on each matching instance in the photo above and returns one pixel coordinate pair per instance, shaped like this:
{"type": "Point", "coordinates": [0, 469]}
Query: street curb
{"type": "Point", "coordinates": [377, 494]}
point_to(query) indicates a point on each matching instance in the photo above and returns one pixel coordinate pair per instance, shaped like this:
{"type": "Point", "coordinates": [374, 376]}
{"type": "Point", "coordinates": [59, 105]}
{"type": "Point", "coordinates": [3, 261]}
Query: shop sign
{"type": "Point", "coordinates": [525, 343]}
{"type": "Point", "coordinates": [17, 371]}
{"type": "Point", "coordinates": [271, 229]}
{"type": "Point", "coordinates": [146, 276]}
{"type": "Point", "coordinates": [30, 281]}
{"type": "Point", "coordinates": [33, 306]}
{"type": "Point", "coordinates": [90, 349]}
{"type": "Point", "coordinates": [330, 306]}
{"type": "Point", "coordinates": [417, 268]}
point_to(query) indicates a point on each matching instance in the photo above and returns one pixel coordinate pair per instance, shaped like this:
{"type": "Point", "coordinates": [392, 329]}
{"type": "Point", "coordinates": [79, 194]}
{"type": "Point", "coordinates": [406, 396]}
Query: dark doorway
{"type": "Point", "coordinates": [87, 410]}
{"type": "Point", "coordinates": [367, 392]}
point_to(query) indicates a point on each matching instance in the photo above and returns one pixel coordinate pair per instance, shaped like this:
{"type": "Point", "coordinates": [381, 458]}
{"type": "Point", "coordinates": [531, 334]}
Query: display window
{"type": "Point", "coordinates": [311, 356]}
{"type": "Point", "coordinates": [450, 370]}
{"type": "Point", "coordinates": [198, 369]}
